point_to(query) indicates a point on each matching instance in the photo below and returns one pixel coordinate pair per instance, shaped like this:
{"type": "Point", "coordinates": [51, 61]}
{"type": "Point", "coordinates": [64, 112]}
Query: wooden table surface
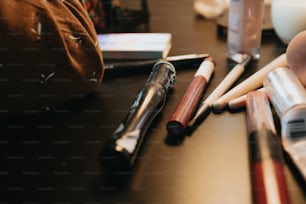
{"type": "Point", "coordinates": [54, 158]}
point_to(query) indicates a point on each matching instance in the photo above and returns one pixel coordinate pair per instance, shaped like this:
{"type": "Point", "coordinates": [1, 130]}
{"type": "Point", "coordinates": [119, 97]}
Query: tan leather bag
{"type": "Point", "coordinates": [49, 54]}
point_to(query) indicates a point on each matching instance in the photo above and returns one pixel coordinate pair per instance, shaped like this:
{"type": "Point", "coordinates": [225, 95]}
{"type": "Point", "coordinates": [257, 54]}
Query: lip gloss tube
{"type": "Point", "coordinates": [181, 115]}
{"type": "Point", "coordinates": [268, 179]}
{"type": "Point", "coordinates": [288, 97]}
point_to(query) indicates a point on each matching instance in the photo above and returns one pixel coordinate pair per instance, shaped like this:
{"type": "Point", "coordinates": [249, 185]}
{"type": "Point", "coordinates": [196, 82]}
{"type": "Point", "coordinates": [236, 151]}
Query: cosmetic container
{"type": "Point", "coordinates": [288, 97]}
{"type": "Point", "coordinates": [244, 30]}
{"type": "Point", "coordinates": [267, 164]}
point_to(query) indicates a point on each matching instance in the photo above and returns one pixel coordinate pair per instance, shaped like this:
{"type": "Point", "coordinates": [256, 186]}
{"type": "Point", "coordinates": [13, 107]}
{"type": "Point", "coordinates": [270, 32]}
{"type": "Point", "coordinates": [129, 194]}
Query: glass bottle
{"type": "Point", "coordinates": [244, 31]}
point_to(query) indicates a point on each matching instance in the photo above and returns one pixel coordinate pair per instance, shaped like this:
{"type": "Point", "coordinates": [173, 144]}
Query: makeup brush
{"type": "Point", "coordinates": [251, 83]}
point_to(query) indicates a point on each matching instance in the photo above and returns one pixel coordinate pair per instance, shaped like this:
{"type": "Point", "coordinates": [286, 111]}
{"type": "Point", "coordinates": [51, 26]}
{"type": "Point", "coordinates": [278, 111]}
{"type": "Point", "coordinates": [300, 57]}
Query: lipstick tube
{"type": "Point", "coordinates": [288, 97]}
{"type": "Point", "coordinates": [268, 179]}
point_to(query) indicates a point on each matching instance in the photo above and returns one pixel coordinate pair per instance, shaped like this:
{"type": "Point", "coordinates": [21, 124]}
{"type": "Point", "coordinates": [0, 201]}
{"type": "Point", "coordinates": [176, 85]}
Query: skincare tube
{"type": "Point", "coordinates": [288, 97]}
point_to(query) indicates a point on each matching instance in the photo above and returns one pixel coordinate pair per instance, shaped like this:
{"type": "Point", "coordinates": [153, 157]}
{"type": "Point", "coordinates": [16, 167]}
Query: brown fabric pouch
{"type": "Point", "coordinates": [49, 54]}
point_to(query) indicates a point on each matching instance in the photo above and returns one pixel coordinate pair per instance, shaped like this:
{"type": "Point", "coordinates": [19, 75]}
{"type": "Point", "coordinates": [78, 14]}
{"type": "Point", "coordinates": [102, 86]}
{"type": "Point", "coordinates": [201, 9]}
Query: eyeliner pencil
{"type": "Point", "coordinates": [179, 119]}
{"type": "Point", "coordinates": [267, 165]}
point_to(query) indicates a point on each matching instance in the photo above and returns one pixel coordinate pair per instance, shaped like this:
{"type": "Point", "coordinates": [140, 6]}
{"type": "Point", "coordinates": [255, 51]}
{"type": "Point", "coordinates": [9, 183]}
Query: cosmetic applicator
{"type": "Point", "coordinates": [294, 59]}
{"type": "Point", "coordinates": [296, 56]}
{"type": "Point", "coordinates": [251, 83]}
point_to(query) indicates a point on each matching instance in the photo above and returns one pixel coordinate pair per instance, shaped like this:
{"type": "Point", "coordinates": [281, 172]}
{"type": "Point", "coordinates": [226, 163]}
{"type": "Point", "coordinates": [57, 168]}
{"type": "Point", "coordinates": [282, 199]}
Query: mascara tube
{"type": "Point", "coordinates": [288, 97]}
{"type": "Point", "coordinates": [268, 179]}
{"type": "Point", "coordinates": [121, 151]}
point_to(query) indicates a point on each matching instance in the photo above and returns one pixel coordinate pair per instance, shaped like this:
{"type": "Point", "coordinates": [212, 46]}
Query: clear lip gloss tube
{"type": "Point", "coordinates": [244, 30]}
